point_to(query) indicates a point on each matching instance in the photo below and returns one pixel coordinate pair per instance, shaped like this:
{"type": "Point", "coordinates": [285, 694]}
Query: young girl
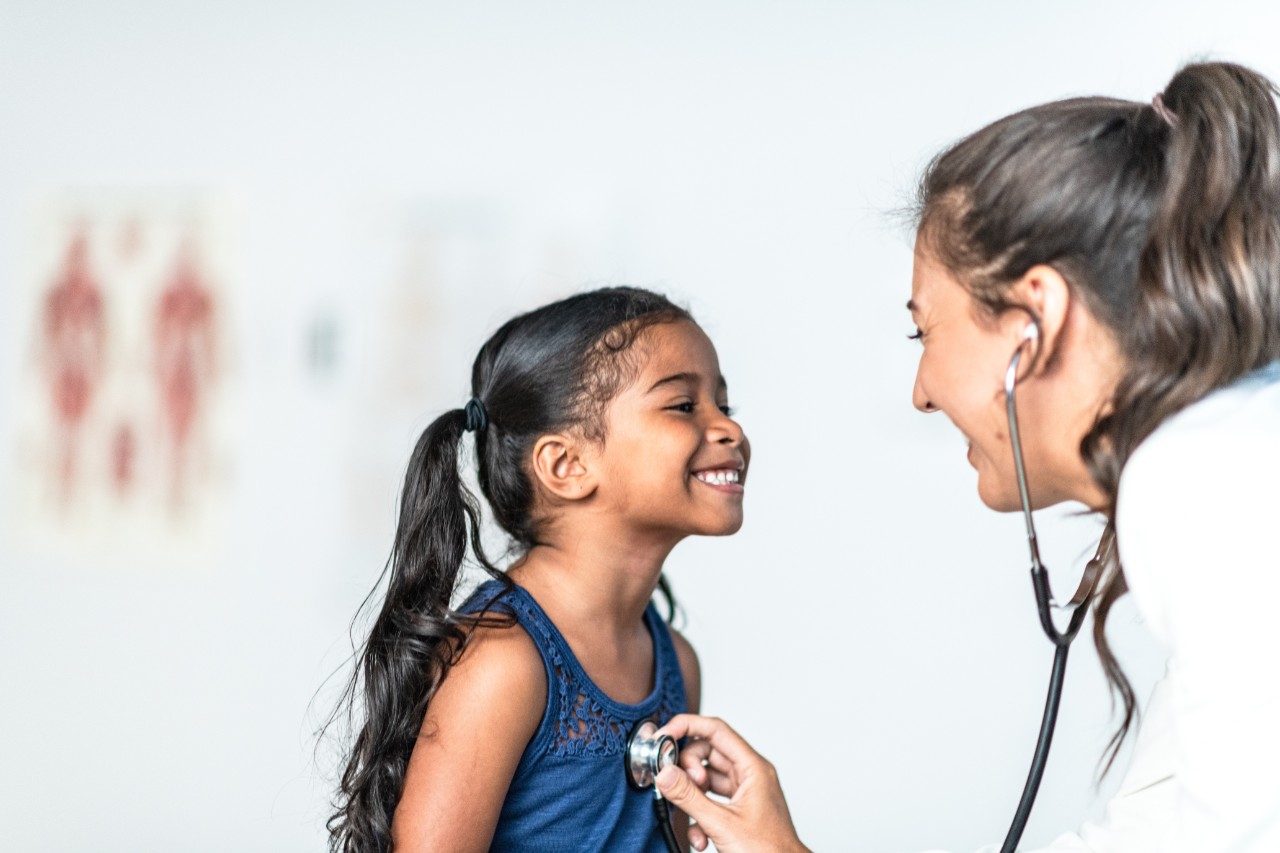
{"type": "Point", "coordinates": [603, 437]}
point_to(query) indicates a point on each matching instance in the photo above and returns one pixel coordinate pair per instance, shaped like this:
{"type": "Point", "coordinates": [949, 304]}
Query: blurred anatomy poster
{"type": "Point", "coordinates": [123, 428]}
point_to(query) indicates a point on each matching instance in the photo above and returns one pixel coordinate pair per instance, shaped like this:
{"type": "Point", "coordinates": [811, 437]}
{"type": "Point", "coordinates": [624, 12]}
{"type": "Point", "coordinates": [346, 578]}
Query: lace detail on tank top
{"type": "Point", "coordinates": [582, 725]}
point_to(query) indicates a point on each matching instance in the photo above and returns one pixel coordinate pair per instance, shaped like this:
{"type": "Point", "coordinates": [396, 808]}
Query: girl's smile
{"type": "Point", "coordinates": [725, 479]}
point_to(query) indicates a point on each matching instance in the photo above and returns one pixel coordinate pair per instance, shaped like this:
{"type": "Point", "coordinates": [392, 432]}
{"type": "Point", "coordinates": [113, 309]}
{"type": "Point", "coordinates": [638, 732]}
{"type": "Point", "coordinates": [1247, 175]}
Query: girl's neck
{"type": "Point", "coordinates": [601, 581]}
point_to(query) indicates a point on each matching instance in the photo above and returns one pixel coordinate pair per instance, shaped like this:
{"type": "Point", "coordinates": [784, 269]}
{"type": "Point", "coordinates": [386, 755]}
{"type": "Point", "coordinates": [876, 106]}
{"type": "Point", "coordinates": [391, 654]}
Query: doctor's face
{"type": "Point", "coordinates": [964, 355]}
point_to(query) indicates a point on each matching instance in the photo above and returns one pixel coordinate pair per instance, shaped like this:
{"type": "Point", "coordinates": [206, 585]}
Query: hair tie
{"type": "Point", "coordinates": [477, 418]}
{"type": "Point", "coordinates": [1157, 104]}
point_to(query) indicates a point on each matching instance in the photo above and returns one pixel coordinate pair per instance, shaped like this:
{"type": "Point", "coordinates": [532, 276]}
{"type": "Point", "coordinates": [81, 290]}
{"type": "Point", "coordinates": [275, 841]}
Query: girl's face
{"type": "Point", "coordinates": [673, 460]}
{"type": "Point", "coordinates": [963, 360]}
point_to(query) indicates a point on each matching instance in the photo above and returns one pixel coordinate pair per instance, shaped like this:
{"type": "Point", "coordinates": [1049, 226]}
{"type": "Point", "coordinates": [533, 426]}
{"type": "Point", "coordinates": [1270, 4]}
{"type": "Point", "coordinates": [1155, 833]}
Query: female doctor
{"type": "Point", "coordinates": [1130, 253]}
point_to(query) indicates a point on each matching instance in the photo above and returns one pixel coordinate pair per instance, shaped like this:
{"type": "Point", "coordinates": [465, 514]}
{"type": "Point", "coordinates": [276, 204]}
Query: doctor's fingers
{"type": "Point", "coordinates": [697, 837]}
{"type": "Point", "coordinates": [709, 779]}
{"type": "Point", "coordinates": [715, 733]}
{"type": "Point", "coordinates": [709, 770]}
{"type": "Point", "coordinates": [679, 789]}
{"type": "Point", "coordinates": [697, 753]}
{"type": "Point", "coordinates": [718, 783]}
{"type": "Point", "coordinates": [694, 752]}
{"type": "Point", "coordinates": [756, 820]}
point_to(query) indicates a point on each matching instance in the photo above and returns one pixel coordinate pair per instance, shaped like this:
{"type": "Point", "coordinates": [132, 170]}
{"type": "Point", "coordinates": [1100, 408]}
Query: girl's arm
{"type": "Point", "coordinates": [476, 728]}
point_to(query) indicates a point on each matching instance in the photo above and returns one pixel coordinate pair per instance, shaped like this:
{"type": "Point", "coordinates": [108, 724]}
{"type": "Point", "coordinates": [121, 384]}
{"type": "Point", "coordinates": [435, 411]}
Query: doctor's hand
{"type": "Point", "coordinates": [717, 759]}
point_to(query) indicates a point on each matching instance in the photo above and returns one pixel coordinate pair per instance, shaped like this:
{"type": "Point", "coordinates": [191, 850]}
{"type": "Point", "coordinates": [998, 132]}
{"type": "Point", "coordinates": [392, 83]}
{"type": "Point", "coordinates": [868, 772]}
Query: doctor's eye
{"type": "Point", "coordinates": [918, 336]}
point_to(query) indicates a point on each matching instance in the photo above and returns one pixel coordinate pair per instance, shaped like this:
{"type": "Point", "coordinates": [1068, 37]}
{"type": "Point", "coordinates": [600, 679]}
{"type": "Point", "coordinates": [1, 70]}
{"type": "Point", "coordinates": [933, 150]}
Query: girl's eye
{"type": "Point", "coordinates": [688, 407]}
{"type": "Point", "coordinates": [918, 336]}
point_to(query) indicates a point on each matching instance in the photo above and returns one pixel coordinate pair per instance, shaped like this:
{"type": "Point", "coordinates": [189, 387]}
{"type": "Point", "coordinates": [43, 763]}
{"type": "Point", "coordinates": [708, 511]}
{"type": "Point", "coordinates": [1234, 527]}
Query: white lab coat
{"type": "Point", "coordinates": [1198, 526]}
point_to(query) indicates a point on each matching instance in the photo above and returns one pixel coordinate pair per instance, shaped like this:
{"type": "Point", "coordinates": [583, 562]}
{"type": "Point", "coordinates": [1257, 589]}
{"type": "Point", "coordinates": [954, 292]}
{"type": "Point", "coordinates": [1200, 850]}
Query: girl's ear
{"type": "Point", "coordinates": [562, 468]}
{"type": "Point", "coordinates": [1047, 297]}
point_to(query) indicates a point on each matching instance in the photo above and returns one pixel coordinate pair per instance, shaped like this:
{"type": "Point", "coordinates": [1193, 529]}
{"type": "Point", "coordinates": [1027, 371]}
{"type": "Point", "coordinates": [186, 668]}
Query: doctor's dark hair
{"type": "Point", "coordinates": [554, 369]}
{"type": "Point", "coordinates": [1164, 217]}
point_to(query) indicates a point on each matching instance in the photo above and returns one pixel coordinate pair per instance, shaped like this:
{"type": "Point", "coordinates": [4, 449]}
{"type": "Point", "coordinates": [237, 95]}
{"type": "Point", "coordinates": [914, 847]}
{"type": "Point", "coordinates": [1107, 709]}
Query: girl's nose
{"type": "Point", "coordinates": [725, 430]}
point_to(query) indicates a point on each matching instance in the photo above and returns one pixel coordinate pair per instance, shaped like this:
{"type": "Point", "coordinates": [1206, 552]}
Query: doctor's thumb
{"type": "Point", "coordinates": [680, 791]}
{"type": "Point", "coordinates": [675, 784]}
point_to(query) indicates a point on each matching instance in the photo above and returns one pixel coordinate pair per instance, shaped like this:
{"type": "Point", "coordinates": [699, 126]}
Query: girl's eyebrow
{"type": "Point", "coordinates": [689, 378]}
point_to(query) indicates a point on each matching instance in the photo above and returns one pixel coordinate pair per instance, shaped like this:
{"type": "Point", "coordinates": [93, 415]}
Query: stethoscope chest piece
{"type": "Point", "coordinates": [647, 753]}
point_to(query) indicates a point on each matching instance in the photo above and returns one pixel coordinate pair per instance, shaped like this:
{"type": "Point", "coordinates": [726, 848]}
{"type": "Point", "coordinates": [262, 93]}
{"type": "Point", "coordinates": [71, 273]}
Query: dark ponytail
{"type": "Point", "coordinates": [1208, 300]}
{"type": "Point", "coordinates": [1164, 217]}
{"type": "Point", "coordinates": [546, 371]}
{"type": "Point", "coordinates": [415, 638]}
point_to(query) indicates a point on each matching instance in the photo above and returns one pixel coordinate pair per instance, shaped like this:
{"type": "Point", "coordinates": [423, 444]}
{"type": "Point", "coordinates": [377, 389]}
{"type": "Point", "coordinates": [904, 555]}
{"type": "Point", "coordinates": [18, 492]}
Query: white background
{"type": "Point", "coordinates": [871, 629]}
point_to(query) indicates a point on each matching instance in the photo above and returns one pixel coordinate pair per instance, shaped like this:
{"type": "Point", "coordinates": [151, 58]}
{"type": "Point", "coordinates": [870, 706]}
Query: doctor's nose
{"type": "Point", "coordinates": [920, 399]}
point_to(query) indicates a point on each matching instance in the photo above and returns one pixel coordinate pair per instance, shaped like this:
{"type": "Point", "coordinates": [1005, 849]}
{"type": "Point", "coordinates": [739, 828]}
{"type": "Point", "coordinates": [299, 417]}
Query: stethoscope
{"type": "Point", "coordinates": [646, 754]}
{"type": "Point", "coordinates": [1045, 604]}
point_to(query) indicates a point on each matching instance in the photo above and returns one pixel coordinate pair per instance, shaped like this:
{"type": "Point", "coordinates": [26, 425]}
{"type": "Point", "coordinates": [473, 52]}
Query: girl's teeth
{"type": "Point", "coordinates": [718, 478]}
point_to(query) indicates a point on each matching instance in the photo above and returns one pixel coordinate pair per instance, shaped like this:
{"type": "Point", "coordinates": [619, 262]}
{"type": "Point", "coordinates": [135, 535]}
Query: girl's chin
{"type": "Point", "coordinates": [727, 527]}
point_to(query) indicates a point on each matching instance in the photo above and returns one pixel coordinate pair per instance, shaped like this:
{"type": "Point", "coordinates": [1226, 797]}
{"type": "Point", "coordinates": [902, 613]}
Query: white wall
{"type": "Point", "coordinates": [872, 627]}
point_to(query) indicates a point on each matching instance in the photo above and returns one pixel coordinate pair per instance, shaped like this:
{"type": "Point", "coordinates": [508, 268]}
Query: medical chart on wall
{"type": "Point", "coordinates": [122, 439]}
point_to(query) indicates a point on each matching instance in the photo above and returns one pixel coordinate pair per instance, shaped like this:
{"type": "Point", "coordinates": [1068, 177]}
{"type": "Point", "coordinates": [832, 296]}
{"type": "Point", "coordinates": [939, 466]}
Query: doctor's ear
{"type": "Point", "coordinates": [562, 468]}
{"type": "Point", "coordinates": [1046, 299]}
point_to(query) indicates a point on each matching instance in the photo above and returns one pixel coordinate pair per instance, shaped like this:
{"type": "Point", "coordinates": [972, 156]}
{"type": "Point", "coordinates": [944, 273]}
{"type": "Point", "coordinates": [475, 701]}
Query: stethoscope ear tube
{"type": "Point", "coordinates": [1045, 604]}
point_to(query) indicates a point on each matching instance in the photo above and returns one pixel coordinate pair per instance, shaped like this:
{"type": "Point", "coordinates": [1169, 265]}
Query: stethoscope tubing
{"type": "Point", "coordinates": [1040, 758]}
{"type": "Point", "coordinates": [1061, 639]}
{"type": "Point", "coordinates": [662, 811]}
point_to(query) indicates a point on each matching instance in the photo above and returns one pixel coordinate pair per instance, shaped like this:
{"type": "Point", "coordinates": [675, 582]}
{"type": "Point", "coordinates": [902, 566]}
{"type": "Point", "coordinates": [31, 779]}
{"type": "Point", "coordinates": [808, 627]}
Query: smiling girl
{"type": "Point", "coordinates": [602, 438]}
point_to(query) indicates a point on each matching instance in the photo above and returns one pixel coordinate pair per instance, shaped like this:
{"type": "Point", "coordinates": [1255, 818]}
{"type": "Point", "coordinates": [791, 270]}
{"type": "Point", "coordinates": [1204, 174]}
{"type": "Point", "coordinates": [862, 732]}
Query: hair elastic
{"type": "Point", "coordinates": [477, 417]}
{"type": "Point", "coordinates": [1157, 104]}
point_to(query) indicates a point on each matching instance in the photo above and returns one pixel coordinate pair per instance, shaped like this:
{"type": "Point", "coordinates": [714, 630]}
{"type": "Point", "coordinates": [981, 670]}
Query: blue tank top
{"type": "Point", "coordinates": [569, 792]}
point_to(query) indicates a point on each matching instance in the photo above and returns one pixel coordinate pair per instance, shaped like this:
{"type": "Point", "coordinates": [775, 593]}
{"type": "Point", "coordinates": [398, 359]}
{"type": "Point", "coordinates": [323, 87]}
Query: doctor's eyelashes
{"type": "Point", "coordinates": [918, 336]}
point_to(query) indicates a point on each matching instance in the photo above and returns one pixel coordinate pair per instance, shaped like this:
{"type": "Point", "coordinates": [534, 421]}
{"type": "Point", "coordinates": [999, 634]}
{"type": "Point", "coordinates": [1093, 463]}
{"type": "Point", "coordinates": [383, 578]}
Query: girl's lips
{"type": "Point", "coordinates": [727, 488]}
